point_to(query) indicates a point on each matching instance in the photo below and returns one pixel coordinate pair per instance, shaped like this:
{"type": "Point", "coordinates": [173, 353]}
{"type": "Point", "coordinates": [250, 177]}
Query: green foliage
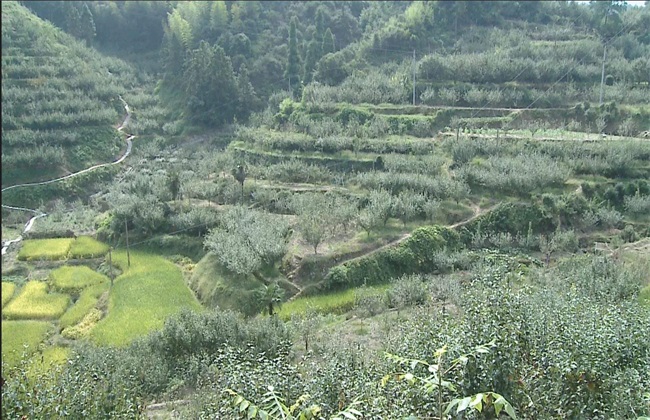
{"type": "Point", "coordinates": [247, 241]}
{"type": "Point", "coordinates": [413, 255]}
{"type": "Point", "coordinates": [34, 302]}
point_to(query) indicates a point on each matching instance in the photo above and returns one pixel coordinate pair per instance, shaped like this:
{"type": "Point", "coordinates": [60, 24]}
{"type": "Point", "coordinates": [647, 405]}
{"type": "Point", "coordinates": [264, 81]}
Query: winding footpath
{"type": "Point", "coordinates": [39, 214]}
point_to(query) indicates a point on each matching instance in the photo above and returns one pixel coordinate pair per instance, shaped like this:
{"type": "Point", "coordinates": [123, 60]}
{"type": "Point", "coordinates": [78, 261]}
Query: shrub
{"type": "Point", "coordinates": [414, 255]}
{"type": "Point", "coordinates": [34, 302]}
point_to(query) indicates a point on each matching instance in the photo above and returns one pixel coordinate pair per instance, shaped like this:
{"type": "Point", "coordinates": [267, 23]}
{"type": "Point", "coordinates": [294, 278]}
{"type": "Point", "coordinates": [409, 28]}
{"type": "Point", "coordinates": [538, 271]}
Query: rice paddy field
{"type": "Point", "coordinates": [35, 303]}
{"type": "Point", "coordinates": [142, 297]}
{"type": "Point", "coordinates": [75, 278]}
{"type": "Point", "coordinates": [45, 249]}
{"type": "Point", "coordinates": [87, 247]}
{"type": "Point", "coordinates": [80, 303]}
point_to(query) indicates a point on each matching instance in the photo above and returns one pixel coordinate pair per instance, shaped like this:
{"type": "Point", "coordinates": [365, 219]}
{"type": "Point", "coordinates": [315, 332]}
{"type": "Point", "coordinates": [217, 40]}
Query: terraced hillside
{"type": "Point", "coordinates": [60, 100]}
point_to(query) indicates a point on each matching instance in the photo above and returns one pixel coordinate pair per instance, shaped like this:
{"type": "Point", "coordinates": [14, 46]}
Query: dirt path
{"type": "Point", "coordinates": [39, 214]}
{"type": "Point", "coordinates": [477, 213]}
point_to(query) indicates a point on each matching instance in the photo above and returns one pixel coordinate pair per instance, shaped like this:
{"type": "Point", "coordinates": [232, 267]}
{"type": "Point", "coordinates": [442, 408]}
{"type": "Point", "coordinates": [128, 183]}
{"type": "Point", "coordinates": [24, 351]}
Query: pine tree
{"type": "Point", "coordinates": [311, 58]}
{"type": "Point", "coordinates": [248, 99]}
{"type": "Point", "coordinates": [328, 42]}
{"type": "Point", "coordinates": [293, 63]}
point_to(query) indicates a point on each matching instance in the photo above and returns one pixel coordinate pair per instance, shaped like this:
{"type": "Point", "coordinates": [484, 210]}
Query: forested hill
{"type": "Point", "coordinates": [222, 60]}
{"type": "Point", "coordinates": [60, 100]}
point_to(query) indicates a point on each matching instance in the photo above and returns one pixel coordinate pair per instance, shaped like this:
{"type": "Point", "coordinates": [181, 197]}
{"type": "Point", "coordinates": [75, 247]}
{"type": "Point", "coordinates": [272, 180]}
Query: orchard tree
{"type": "Point", "coordinates": [316, 217]}
{"type": "Point", "coordinates": [239, 173]}
{"type": "Point", "coordinates": [248, 242]}
{"type": "Point", "coordinates": [377, 211]}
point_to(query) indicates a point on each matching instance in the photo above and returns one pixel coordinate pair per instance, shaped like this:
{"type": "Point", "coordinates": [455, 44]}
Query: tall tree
{"type": "Point", "coordinates": [311, 59]}
{"type": "Point", "coordinates": [247, 99]}
{"type": "Point", "coordinates": [329, 45]}
{"type": "Point", "coordinates": [292, 73]}
{"type": "Point", "coordinates": [210, 85]}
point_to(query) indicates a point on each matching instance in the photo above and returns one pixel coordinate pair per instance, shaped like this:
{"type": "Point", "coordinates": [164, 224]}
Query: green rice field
{"type": "Point", "coordinates": [45, 249]}
{"type": "Point", "coordinates": [34, 302]}
{"type": "Point", "coordinates": [71, 279]}
{"type": "Point", "coordinates": [87, 247]}
{"type": "Point", "coordinates": [142, 298]}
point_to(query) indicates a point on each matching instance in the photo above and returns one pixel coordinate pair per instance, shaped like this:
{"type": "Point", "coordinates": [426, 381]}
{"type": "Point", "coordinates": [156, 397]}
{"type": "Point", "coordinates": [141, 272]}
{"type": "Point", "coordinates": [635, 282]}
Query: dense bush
{"type": "Point", "coordinates": [414, 255]}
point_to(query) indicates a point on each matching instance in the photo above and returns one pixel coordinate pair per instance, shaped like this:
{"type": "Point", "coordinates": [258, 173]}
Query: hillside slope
{"type": "Point", "coordinates": [60, 100]}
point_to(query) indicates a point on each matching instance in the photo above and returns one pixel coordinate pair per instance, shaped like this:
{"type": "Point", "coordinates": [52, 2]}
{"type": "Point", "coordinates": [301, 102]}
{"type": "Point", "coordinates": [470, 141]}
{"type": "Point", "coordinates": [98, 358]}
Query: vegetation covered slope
{"type": "Point", "coordinates": [60, 100]}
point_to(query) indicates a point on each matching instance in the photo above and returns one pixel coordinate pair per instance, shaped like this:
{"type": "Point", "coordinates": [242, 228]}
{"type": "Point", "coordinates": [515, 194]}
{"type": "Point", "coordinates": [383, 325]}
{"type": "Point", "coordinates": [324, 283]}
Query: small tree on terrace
{"type": "Point", "coordinates": [248, 242]}
{"type": "Point", "coordinates": [316, 217]}
{"type": "Point", "coordinates": [240, 175]}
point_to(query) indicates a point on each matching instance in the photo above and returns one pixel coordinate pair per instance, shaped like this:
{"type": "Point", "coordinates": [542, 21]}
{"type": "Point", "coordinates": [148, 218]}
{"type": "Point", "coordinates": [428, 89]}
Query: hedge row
{"type": "Point", "coordinates": [415, 255]}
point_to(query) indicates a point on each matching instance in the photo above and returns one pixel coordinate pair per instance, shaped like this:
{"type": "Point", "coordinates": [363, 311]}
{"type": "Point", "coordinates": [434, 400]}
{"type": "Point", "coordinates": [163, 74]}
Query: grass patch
{"type": "Point", "coordinates": [34, 302]}
{"type": "Point", "coordinates": [45, 249]}
{"type": "Point", "coordinates": [20, 337]}
{"type": "Point", "coordinates": [8, 290]}
{"type": "Point", "coordinates": [331, 303]}
{"type": "Point", "coordinates": [146, 293]}
{"type": "Point", "coordinates": [73, 279]}
{"type": "Point", "coordinates": [87, 247]}
{"type": "Point", "coordinates": [644, 296]}
{"type": "Point", "coordinates": [41, 363]}
{"type": "Point", "coordinates": [216, 287]}
{"type": "Point", "coordinates": [86, 302]}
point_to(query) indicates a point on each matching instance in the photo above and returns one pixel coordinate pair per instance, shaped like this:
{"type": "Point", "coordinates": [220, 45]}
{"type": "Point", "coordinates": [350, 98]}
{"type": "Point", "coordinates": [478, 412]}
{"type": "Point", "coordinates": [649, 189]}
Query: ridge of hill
{"type": "Point", "coordinates": [60, 100]}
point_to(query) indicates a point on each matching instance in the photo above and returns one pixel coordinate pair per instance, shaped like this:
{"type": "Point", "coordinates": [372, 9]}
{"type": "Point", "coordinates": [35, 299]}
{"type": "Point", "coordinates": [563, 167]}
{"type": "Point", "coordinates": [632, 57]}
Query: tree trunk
{"type": "Point", "coordinates": [270, 308]}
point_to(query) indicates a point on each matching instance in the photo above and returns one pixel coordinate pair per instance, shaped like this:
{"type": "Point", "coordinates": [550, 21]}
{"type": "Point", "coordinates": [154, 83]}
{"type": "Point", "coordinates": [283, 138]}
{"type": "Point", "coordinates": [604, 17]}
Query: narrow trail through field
{"type": "Point", "coordinates": [478, 211]}
{"type": "Point", "coordinates": [39, 214]}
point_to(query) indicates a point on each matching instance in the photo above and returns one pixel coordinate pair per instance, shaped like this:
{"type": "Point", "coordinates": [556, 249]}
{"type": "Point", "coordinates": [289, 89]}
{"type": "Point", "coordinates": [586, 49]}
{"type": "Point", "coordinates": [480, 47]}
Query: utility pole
{"type": "Point", "coordinates": [110, 263]}
{"type": "Point", "coordinates": [413, 77]}
{"type": "Point", "coordinates": [128, 254]}
{"type": "Point", "coordinates": [602, 75]}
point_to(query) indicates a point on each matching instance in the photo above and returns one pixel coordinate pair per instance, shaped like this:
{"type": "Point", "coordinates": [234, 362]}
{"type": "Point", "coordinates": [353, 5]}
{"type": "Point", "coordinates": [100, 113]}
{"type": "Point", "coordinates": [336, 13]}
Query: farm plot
{"type": "Point", "coordinates": [45, 249]}
{"type": "Point", "coordinates": [86, 302]}
{"type": "Point", "coordinates": [147, 292]}
{"type": "Point", "coordinates": [87, 247]}
{"type": "Point", "coordinates": [72, 279]}
{"type": "Point", "coordinates": [35, 303]}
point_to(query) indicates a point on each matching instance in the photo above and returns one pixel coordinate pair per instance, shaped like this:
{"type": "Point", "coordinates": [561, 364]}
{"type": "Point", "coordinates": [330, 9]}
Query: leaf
{"type": "Point", "coordinates": [409, 377]}
{"type": "Point", "coordinates": [385, 380]}
{"type": "Point", "coordinates": [348, 415]}
{"type": "Point", "coordinates": [238, 400]}
{"type": "Point", "coordinates": [451, 405]}
{"type": "Point", "coordinates": [244, 405]}
{"type": "Point", "coordinates": [463, 359]}
{"type": "Point", "coordinates": [477, 402]}
{"type": "Point", "coordinates": [263, 415]}
{"type": "Point", "coordinates": [464, 403]}
{"type": "Point", "coordinates": [252, 412]}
